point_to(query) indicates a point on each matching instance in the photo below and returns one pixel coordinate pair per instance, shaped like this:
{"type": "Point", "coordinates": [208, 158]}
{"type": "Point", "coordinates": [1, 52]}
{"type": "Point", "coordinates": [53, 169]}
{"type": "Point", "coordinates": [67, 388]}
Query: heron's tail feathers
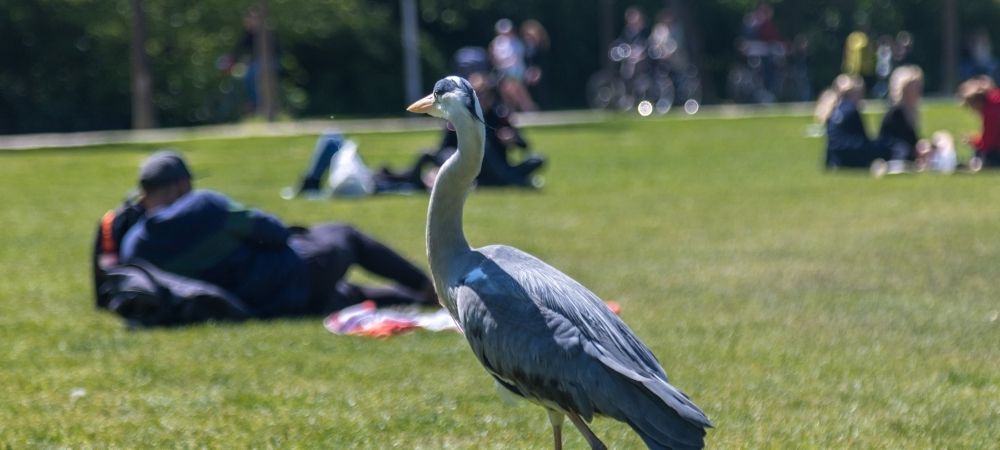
{"type": "Point", "coordinates": [657, 443]}
{"type": "Point", "coordinates": [662, 415]}
{"type": "Point", "coordinates": [678, 401]}
{"type": "Point", "coordinates": [665, 418]}
{"type": "Point", "coordinates": [675, 434]}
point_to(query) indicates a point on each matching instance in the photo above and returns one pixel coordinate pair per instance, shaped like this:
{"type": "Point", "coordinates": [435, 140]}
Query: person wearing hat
{"type": "Point", "coordinates": [980, 94]}
{"type": "Point", "coordinates": [275, 269]}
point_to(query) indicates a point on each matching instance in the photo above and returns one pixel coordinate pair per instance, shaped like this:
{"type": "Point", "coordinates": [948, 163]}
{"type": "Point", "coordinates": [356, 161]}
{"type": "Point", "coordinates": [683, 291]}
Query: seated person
{"type": "Point", "coordinates": [274, 269]}
{"type": "Point", "coordinates": [326, 146]}
{"type": "Point", "coordinates": [981, 95]}
{"type": "Point", "coordinates": [501, 136]}
{"type": "Point", "coordinates": [847, 142]}
{"type": "Point", "coordinates": [898, 132]}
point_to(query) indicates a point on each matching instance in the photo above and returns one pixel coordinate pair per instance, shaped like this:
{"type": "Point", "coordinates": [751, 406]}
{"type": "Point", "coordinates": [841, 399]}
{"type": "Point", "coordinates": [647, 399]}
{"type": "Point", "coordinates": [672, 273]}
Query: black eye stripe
{"type": "Point", "coordinates": [445, 85]}
{"type": "Point", "coordinates": [461, 88]}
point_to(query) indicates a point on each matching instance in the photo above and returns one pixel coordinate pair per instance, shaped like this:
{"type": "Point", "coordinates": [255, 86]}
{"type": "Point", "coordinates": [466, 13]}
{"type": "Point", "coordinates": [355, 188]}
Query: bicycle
{"type": "Point", "coordinates": [632, 81]}
{"type": "Point", "coordinates": [770, 72]}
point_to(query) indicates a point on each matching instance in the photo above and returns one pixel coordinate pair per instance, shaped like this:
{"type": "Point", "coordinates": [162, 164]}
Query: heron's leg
{"type": "Point", "coordinates": [556, 419]}
{"type": "Point", "coordinates": [595, 443]}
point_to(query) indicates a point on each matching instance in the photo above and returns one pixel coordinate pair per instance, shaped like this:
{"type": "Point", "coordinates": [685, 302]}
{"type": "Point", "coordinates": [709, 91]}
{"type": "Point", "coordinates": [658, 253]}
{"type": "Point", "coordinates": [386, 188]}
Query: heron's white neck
{"type": "Point", "coordinates": [446, 244]}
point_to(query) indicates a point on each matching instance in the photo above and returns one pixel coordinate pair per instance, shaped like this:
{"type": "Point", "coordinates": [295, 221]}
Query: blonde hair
{"type": "Point", "coordinates": [975, 88]}
{"type": "Point", "coordinates": [902, 77]}
{"type": "Point", "coordinates": [842, 85]}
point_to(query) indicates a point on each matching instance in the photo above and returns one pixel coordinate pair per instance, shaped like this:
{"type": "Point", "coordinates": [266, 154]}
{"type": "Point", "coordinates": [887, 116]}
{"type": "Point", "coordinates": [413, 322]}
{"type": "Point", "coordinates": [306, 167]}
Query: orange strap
{"type": "Point", "coordinates": [107, 240]}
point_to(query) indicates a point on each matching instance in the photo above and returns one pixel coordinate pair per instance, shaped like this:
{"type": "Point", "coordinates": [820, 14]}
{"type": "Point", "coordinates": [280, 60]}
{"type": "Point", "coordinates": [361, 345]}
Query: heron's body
{"type": "Point", "coordinates": [538, 332]}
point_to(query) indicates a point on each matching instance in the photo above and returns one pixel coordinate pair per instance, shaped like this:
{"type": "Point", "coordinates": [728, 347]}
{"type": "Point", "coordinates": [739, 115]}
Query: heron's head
{"type": "Point", "coordinates": [453, 99]}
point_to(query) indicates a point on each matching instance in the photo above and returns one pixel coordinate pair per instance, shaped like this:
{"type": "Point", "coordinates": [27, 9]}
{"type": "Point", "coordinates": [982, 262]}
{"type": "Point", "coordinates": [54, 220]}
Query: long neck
{"type": "Point", "coordinates": [446, 242]}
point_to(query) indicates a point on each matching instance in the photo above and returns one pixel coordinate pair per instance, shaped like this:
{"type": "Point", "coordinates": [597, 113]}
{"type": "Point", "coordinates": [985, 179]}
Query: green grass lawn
{"type": "Point", "coordinates": [798, 308]}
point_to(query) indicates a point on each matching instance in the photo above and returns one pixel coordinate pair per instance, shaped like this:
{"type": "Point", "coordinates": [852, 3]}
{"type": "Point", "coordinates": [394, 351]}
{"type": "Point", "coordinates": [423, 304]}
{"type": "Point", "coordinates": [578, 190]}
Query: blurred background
{"type": "Point", "coordinates": [74, 65]}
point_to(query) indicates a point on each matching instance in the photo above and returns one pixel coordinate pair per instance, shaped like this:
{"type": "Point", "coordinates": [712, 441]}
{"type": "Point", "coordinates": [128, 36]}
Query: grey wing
{"type": "Point", "coordinates": [540, 330]}
{"type": "Point", "coordinates": [515, 343]}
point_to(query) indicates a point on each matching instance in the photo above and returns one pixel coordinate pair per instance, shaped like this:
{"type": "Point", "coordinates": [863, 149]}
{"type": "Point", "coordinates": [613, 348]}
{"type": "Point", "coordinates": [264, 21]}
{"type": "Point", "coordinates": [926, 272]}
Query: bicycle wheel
{"type": "Point", "coordinates": [658, 90]}
{"type": "Point", "coordinates": [688, 84]}
{"type": "Point", "coordinates": [740, 84]}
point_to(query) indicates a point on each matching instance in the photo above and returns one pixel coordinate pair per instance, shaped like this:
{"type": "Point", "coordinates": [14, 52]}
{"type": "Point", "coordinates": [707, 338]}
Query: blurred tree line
{"type": "Point", "coordinates": [65, 63]}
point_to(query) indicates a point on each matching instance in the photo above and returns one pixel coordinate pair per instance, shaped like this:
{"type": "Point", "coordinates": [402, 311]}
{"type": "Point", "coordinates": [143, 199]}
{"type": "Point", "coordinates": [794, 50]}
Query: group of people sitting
{"type": "Point", "coordinates": [898, 146]}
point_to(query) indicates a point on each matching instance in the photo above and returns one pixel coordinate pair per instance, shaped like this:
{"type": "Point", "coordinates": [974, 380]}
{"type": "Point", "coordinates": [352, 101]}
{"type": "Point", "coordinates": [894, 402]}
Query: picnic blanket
{"type": "Point", "coordinates": [366, 319]}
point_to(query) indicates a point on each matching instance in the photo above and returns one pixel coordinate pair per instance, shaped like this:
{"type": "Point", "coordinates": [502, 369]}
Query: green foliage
{"type": "Point", "coordinates": [63, 65]}
{"type": "Point", "coordinates": [800, 309]}
{"type": "Point", "coordinates": [66, 66]}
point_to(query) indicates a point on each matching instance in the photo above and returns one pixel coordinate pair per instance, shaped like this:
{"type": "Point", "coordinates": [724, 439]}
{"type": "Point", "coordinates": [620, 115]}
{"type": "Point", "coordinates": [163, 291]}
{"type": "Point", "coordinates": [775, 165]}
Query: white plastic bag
{"type": "Point", "coordinates": [349, 176]}
{"type": "Point", "coordinates": [943, 157]}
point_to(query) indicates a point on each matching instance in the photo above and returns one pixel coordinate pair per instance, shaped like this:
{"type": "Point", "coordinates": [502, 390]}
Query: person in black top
{"type": "Point", "coordinates": [501, 137]}
{"type": "Point", "coordinates": [848, 144]}
{"type": "Point", "coordinates": [898, 132]}
{"type": "Point", "coordinates": [536, 46]}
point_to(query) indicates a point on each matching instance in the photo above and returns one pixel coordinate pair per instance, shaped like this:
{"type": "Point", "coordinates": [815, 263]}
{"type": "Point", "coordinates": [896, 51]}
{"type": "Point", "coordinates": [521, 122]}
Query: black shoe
{"type": "Point", "coordinates": [309, 185]}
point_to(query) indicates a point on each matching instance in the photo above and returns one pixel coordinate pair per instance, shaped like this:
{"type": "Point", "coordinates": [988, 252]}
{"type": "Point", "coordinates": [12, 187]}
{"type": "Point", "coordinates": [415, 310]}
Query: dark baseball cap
{"type": "Point", "coordinates": [163, 168]}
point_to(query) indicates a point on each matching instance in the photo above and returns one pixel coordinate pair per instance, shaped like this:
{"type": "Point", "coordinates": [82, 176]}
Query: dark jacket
{"type": "Point", "coordinates": [847, 142]}
{"type": "Point", "coordinates": [205, 235]}
{"type": "Point", "coordinates": [897, 130]}
{"type": "Point", "coordinates": [497, 169]}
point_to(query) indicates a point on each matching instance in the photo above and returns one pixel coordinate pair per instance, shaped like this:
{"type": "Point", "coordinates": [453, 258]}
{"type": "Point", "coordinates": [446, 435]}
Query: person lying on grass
{"type": "Point", "coordinates": [276, 270]}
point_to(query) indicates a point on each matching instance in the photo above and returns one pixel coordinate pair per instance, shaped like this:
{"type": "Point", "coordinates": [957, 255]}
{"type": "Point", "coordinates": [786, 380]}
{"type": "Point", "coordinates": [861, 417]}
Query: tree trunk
{"type": "Point", "coordinates": [607, 30]}
{"type": "Point", "coordinates": [267, 92]}
{"type": "Point", "coordinates": [683, 12]}
{"type": "Point", "coordinates": [411, 50]}
{"type": "Point", "coordinates": [143, 113]}
{"type": "Point", "coordinates": [949, 42]}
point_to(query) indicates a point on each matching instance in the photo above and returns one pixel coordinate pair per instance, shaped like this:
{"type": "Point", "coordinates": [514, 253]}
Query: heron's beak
{"type": "Point", "coordinates": [423, 105]}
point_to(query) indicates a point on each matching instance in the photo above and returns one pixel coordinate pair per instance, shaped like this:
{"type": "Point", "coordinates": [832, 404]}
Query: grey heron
{"type": "Point", "coordinates": [539, 333]}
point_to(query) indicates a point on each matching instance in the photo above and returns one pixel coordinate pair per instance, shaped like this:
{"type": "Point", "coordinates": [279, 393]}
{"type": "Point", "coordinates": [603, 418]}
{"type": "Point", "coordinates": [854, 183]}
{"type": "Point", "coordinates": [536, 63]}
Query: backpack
{"type": "Point", "coordinates": [147, 297]}
{"type": "Point", "coordinates": [110, 232]}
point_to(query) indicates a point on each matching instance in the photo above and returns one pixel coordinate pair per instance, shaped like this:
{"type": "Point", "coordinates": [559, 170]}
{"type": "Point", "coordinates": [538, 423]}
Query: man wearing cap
{"type": "Point", "coordinates": [276, 270]}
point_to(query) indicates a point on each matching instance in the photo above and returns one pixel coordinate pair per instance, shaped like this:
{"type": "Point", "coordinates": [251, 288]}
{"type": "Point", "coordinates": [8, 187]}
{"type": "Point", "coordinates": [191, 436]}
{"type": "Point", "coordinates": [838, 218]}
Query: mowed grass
{"type": "Point", "coordinates": [798, 308]}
